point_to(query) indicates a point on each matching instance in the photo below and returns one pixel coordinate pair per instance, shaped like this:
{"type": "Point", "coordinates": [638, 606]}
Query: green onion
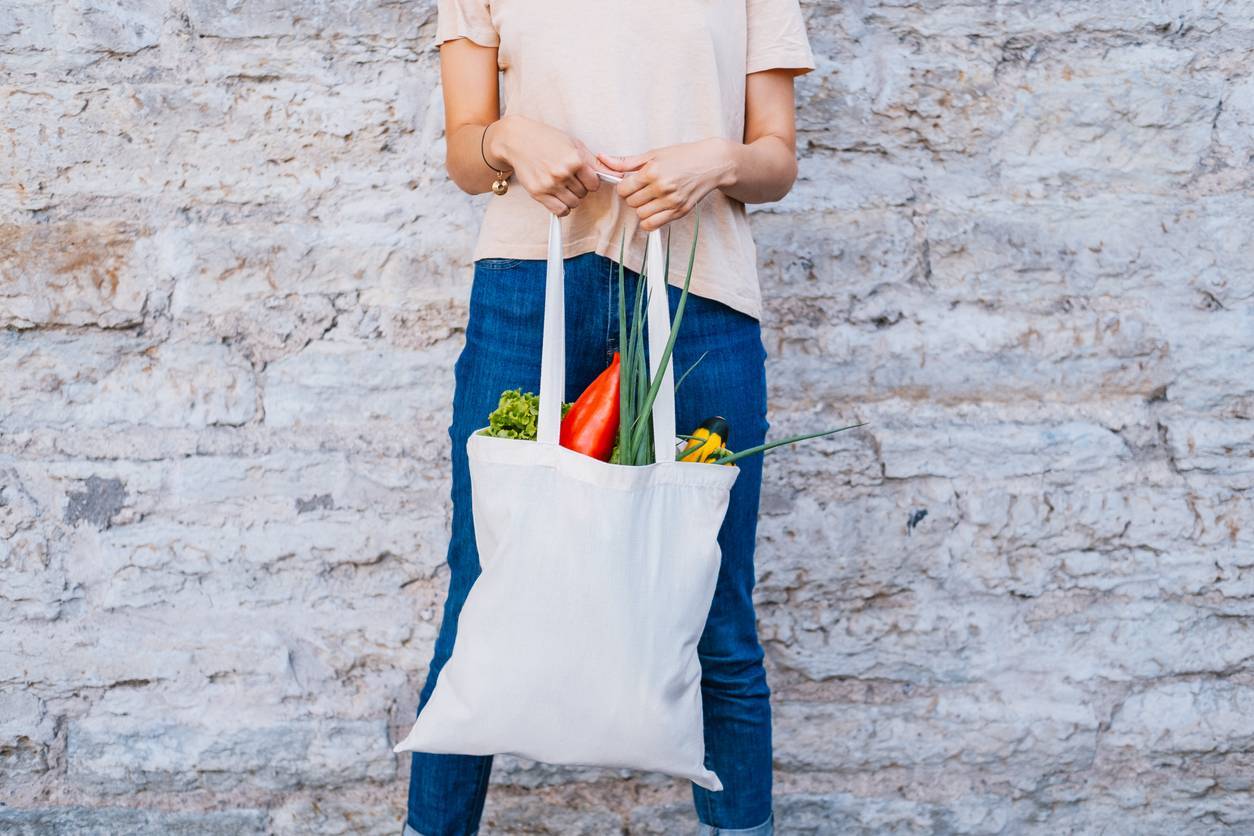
{"type": "Point", "coordinates": [684, 376]}
{"type": "Point", "coordinates": [651, 395]}
{"type": "Point", "coordinates": [637, 392]}
{"type": "Point", "coordinates": [762, 448]}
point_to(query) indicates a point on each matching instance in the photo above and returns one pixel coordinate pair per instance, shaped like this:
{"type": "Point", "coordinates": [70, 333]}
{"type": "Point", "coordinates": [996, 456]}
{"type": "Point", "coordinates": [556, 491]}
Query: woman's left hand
{"type": "Point", "coordinates": [667, 183]}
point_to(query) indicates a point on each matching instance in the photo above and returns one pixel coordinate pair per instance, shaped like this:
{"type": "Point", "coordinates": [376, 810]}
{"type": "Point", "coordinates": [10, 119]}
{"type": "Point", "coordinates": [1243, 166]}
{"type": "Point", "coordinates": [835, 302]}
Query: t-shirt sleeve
{"type": "Point", "coordinates": [777, 37]}
{"type": "Point", "coordinates": [465, 19]}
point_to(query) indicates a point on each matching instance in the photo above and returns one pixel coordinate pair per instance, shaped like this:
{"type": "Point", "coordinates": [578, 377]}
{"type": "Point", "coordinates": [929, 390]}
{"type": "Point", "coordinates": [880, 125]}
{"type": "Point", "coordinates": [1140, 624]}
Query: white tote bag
{"type": "Point", "coordinates": [578, 642]}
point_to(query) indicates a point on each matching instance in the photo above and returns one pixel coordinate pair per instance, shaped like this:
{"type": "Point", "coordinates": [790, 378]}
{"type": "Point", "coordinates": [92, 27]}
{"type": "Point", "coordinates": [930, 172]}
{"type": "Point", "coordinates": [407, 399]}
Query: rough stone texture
{"type": "Point", "coordinates": [233, 281]}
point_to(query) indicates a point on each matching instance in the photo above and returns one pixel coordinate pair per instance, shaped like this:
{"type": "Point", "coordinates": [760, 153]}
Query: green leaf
{"type": "Point", "coordinates": [638, 382]}
{"type": "Point", "coordinates": [762, 448]}
{"type": "Point", "coordinates": [624, 359]}
{"type": "Point", "coordinates": [684, 376]}
{"type": "Point", "coordinates": [670, 342]}
{"type": "Point", "coordinates": [517, 415]}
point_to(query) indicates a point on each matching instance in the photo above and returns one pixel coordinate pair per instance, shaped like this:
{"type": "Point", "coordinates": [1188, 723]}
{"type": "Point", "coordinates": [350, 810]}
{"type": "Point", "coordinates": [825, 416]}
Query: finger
{"type": "Point", "coordinates": [631, 184]}
{"type": "Point", "coordinates": [624, 163]}
{"type": "Point", "coordinates": [653, 207]}
{"type": "Point", "coordinates": [554, 205]}
{"type": "Point", "coordinates": [587, 176]}
{"type": "Point", "coordinates": [576, 187]}
{"type": "Point", "coordinates": [657, 220]}
{"type": "Point", "coordinates": [640, 197]}
{"type": "Point", "coordinates": [566, 196]}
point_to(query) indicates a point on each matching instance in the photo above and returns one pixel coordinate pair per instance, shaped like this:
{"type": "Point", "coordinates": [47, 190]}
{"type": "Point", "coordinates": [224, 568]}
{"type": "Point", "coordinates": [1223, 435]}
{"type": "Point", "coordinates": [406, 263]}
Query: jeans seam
{"type": "Point", "coordinates": [485, 775]}
{"type": "Point", "coordinates": [707, 803]}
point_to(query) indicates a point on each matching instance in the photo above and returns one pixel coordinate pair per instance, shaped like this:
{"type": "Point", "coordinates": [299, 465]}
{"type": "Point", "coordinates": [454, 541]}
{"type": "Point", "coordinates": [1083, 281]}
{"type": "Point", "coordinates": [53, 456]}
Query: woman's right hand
{"type": "Point", "coordinates": [556, 169]}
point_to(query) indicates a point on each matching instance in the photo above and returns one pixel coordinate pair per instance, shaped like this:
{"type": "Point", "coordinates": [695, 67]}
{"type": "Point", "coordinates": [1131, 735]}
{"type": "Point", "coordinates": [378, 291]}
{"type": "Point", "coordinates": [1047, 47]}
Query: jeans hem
{"type": "Point", "coordinates": [766, 828]}
{"type": "Point", "coordinates": [409, 831]}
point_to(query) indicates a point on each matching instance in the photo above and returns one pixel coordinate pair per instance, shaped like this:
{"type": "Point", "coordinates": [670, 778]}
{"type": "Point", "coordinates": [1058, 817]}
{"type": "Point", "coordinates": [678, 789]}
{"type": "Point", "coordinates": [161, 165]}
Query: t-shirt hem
{"type": "Point", "coordinates": [782, 59]}
{"type": "Point", "coordinates": [749, 305]}
{"type": "Point", "coordinates": [482, 37]}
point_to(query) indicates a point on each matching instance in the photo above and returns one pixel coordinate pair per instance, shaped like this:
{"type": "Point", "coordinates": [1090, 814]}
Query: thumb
{"type": "Point", "coordinates": [630, 163]}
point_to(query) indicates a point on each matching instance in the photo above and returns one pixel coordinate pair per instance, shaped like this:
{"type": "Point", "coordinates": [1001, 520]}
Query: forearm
{"type": "Point", "coordinates": [465, 163]}
{"type": "Point", "coordinates": [761, 171]}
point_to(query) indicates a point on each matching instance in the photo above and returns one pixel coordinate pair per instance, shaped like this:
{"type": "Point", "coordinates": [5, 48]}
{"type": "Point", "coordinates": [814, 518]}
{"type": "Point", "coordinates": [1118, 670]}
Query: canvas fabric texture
{"type": "Point", "coordinates": [577, 643]}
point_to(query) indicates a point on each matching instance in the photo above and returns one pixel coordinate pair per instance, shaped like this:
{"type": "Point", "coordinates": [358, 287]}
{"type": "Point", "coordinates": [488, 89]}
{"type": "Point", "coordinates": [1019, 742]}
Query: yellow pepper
{"type": "Point", "coordinates": [707, 442]}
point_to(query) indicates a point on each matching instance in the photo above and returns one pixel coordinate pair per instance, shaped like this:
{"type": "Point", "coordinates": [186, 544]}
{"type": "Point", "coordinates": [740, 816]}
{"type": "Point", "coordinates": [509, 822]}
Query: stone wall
{"type": "Point", "coordinates": [233, 279]}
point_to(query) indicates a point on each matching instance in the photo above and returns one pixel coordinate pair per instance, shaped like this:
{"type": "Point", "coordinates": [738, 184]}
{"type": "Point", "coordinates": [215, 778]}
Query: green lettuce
{"type": "Point", "coordinates": [516, 416]}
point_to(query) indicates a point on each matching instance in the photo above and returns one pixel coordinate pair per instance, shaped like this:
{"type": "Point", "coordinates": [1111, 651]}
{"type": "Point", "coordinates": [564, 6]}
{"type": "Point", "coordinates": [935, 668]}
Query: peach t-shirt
{"type": "Point", "coordinates": [624, 77]}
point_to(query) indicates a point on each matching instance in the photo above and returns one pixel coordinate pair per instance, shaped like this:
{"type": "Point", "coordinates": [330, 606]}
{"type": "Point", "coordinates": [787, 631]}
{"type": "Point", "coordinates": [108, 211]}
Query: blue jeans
{"type": "Point", "coordinates": [502, 351]}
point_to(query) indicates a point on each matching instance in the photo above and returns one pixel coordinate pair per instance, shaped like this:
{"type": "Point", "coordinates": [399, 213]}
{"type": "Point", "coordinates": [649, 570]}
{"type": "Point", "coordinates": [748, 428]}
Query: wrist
{"type": "Point", "coordinates": [496, 144]}
{"type": "Point", "coordinates": [726, 155]}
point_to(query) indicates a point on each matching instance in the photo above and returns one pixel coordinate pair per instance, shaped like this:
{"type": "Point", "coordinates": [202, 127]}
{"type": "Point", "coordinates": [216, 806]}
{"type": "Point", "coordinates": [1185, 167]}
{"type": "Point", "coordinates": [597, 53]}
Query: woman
{"type": "Point", "coordinates": [690, 102]}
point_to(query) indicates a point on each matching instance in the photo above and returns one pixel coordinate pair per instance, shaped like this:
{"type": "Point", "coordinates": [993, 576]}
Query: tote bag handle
{"type": "Point", "coordinates": [553, 352]}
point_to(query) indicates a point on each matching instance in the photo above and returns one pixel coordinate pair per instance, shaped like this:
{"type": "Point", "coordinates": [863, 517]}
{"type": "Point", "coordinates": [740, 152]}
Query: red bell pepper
{"type": "Point", "coordinates": [591, 425]}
